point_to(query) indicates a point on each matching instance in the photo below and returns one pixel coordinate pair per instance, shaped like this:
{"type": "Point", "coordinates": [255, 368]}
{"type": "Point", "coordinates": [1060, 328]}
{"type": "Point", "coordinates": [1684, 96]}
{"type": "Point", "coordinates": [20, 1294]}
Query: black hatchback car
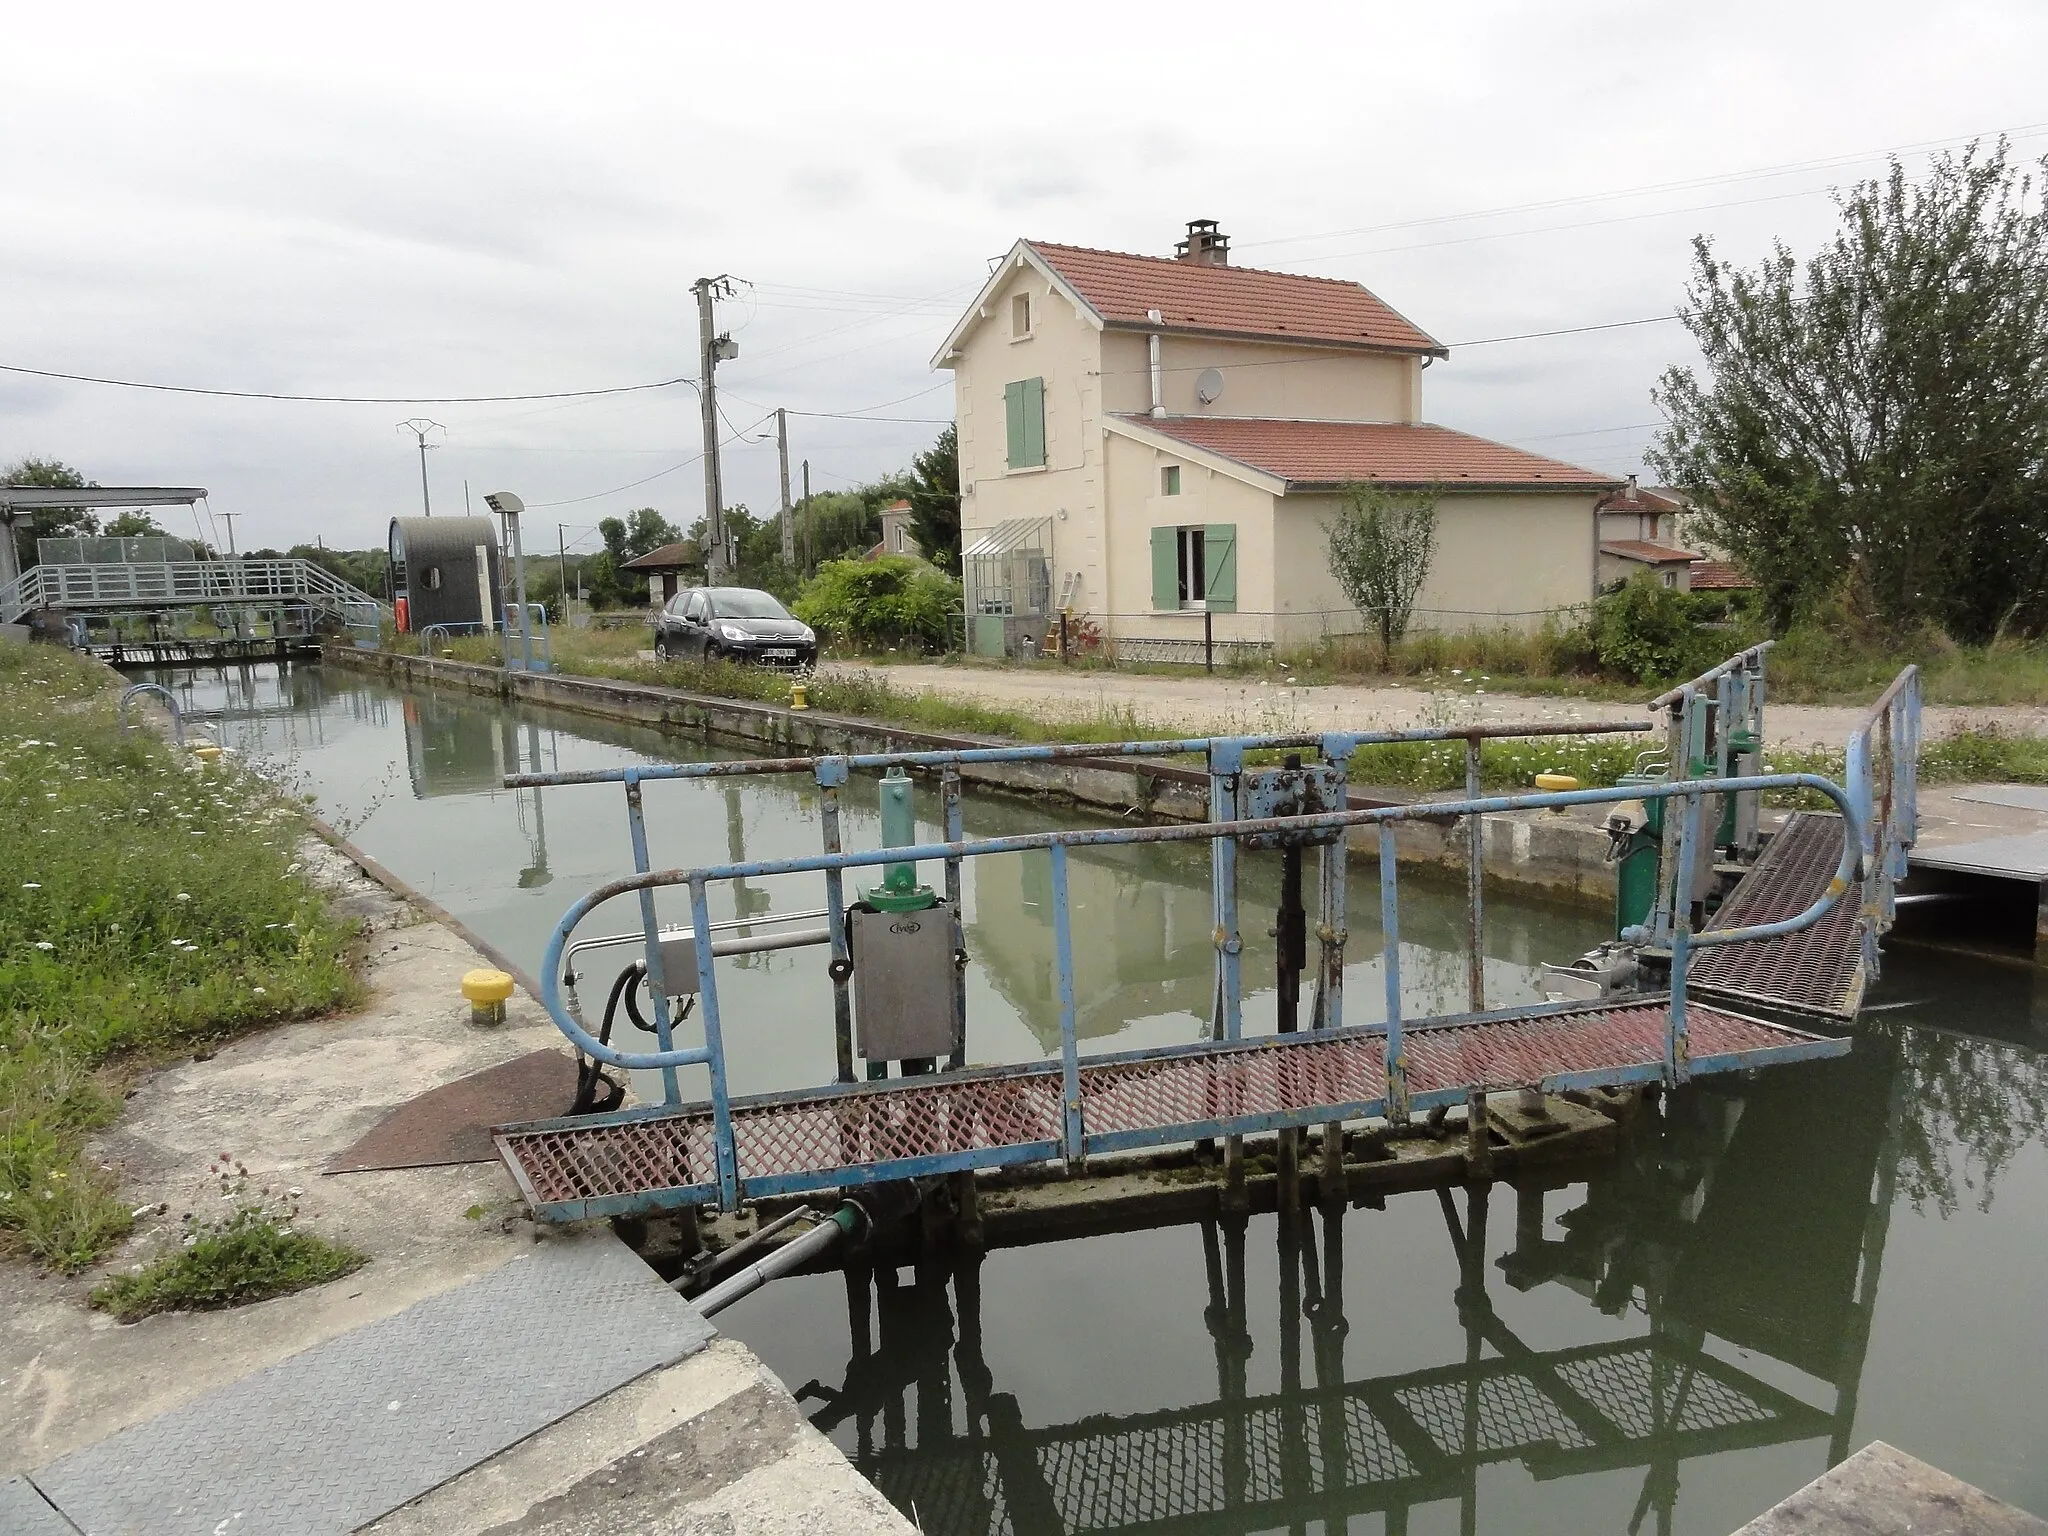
{"type": "Point", "coordinates": [733, 624]}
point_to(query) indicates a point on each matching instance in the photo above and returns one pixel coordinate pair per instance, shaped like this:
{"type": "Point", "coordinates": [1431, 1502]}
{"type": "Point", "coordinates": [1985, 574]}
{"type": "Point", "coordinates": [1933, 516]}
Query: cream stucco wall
{"type": "Point", "coordinates": [1502, 560]}
{"type": "Point", "coordinates": [1063, 349]}
{"type": "Point", "coordinates": [1206, 496]}
{"type": "Point", "coordinates": [1614, 570]}
{"type": "Point", "coordinates": [1262, 379]}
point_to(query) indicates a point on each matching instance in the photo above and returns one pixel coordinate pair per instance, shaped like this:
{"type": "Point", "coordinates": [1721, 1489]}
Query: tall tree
{"type": "Point", "coordinates": [1380, 550]}
{"type": "Point", "coordinates": [47, 522]}
{"type": "Point", "coordinates": [1879, 417]}
{"type": "Point", "coordinates": [935, 501]}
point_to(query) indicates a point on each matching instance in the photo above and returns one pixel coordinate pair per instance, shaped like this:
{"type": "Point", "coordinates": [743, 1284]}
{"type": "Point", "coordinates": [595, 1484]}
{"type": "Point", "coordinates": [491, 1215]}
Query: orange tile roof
{"type": "Point", "coordinates": [1233, 301]}
{"type": "Point", "coordinates": [1645, 551]}
{"type": "Point", "coordinates": [1311, 453]}
{"type": "Point", "coordinates": [1718, 576]}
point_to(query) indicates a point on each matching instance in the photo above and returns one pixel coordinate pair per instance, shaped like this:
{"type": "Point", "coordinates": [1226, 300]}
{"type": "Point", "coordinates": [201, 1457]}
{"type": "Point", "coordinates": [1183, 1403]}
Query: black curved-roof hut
{"type": "Point", "coordinates": [446, 569]}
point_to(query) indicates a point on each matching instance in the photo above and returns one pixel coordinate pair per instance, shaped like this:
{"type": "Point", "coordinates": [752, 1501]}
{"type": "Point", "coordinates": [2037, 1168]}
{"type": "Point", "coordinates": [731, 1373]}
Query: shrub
{"type": "Point", "coordinates": [1643, 632]}
{"type": "Point", "coordinates": [895, 601]}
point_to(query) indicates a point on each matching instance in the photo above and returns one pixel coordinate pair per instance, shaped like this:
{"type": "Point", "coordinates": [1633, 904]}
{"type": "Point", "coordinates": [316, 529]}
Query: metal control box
{"type": "Point", "coordinates": [905, 1001]}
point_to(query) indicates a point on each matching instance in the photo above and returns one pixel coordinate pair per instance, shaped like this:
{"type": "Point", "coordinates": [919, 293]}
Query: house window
{"type": "Point", "coordinates": [1020, 315]}
{"type": "Point", "coordinates": [1169, 480]}
{"type": "Point", "coordinates": [1670, 578]}
{"type": "Point", "coordinates": [1195, 567]}
{"type": "Point", "coordinates": [433, 579]}
{"type": "Point", "coordinates": [1024, 412]}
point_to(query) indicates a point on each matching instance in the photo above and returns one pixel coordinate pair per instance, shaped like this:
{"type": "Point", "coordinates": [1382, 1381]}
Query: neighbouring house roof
{"type": "Point", "coordinates": [1644, 499]}
{"type": "Point", "coordinates": [1718, 576]}
{"type": "Point", "coordinates": [668, 557]}
{"type": "Point", "coordinates": [1117, 291]}
{"type": "Point", "coordinates": [1311, 454]}
{"type": "Point", "coordinates": [1644, 552]}
{"type": "Point", "coordinates": [899, 505]}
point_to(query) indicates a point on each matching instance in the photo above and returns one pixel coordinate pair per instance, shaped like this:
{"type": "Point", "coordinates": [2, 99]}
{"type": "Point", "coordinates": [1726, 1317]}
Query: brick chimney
{"type": "Point", "coordinates": [1205, 246]}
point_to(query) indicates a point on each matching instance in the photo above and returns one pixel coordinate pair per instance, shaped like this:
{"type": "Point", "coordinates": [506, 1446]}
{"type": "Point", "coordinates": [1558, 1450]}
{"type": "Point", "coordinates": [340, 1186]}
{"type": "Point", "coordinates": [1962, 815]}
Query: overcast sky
{"type": "Point", "coordinates": [486, 200]}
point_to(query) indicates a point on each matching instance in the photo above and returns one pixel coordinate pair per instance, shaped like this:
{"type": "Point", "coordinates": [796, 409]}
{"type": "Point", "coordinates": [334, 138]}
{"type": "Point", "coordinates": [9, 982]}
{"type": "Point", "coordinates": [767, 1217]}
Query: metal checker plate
{"type": "Point", "coordinates": [1818, 970]}
{"type": "Point", "coordinates": [930, 1116]}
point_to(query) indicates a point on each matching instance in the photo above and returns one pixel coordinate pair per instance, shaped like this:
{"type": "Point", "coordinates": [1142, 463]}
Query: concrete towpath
{"type": "Point", "coordinates": [453, 1385]}
{"type": "Point", "coordinates": [1204, 705]}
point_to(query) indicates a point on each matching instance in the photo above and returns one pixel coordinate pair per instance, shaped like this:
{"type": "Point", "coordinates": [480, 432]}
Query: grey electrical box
{"type": "Point", "coordinates": [678, 961]}
{"type": "Point", "coordinates": [905, 1000]}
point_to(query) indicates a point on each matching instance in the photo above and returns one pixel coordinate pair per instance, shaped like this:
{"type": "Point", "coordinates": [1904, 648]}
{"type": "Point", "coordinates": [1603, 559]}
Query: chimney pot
{"type": "Point", "coordinates": [1205, 245]}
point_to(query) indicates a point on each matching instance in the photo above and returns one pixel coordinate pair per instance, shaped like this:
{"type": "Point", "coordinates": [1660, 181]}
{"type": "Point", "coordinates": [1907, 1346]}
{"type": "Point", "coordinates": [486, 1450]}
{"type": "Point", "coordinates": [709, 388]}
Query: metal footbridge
{"type": "Point", "coordinates": [898, 957]}
{"type": "Point", "coordinates": [146, 587]}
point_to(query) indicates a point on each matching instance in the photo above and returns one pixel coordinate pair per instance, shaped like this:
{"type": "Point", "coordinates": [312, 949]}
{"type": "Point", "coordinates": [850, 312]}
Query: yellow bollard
{"type": "Point", "coordinates": [487, 992]}
{"type": "Point", "coordinates": [799, 696]}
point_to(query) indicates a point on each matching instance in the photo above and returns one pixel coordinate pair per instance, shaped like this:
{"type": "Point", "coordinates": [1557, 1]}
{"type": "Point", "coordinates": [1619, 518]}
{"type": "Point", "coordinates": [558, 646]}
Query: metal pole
{"type": "Point", "coordinates": [562, 564]}
{"type": "Point", "coordinates": [1390, 966]}
{"type": "Point", "coordinates": [831, 774]}
{"type": "Point", "coordinates": [949, 800]}
{"type": "Point", "coordinates": [519, 590]}
{"type": "Point", "coordinates": [1208, 641]}
{"type": "Point", "coordinates": [791, 1255]}
{"type": "Point", "coordinates": [810, 533]}
{"type": "Point", "coordinates": [707, 404]}
{"type": "Point", "coordinates": [782, 458]}
{"type": "Point", "coordinates": [1475, 883]}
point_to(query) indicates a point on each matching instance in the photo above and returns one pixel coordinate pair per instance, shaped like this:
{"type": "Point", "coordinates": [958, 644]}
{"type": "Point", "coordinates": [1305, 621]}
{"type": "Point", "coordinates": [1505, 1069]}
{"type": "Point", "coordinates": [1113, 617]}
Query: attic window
{"type": "Point", "coordinates": [1020, 315]}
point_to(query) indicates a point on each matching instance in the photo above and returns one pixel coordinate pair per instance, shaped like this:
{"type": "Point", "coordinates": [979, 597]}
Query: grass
{"type": "Point", "coordinates": [148, 907]}
{"type": "Point", "coordinates": [1453, 665]}
{"type": "Point", "coordinates": [251, 1254]}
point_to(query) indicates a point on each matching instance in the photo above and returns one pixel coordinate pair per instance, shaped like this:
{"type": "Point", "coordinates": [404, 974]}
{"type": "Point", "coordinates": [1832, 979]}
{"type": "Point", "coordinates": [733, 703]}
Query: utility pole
{"type": "Point", "coordinates": [712, 349]}
{"type": "Point", "coordinates": [810, 533]}
{"type": "Point", "coordinates": [788, 517]}
{"type": "Point", "coordinates": [230, 518]}
{"type": "Point", "coordinates": [562, 565]}
{"type": "Point", "coordinates": [419, 426]}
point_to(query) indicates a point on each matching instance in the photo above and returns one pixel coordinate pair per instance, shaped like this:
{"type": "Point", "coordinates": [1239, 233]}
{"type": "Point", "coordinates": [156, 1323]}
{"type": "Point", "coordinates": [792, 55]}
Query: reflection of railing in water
{"type": "Point", "coordinates": [1324, 1446]}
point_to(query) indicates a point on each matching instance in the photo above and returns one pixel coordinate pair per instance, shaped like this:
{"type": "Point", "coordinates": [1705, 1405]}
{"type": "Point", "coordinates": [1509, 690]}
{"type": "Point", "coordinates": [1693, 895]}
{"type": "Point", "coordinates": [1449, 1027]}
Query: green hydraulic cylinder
{"type": "Point", "coordinates": [899, 890]}
{"type": "Point", "coordinates": [1636, 861]}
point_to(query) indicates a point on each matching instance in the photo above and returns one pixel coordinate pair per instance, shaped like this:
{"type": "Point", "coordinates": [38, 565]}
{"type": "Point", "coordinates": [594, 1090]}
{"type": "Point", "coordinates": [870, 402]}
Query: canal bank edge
{"type": "Point", "coordinates": [713, 1437]}
{"type": "Point", "coordinates": [1543, 851]}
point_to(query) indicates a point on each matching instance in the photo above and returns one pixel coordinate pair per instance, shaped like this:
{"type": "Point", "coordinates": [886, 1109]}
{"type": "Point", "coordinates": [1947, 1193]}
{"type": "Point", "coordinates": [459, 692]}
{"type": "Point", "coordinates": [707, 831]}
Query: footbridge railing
{"type": "Point", "coordinates": [1714, 727]}
{"type": "Point", "coordinates": [187, 583]}
{"type": "Point", "coordinates": [1392, 1066]}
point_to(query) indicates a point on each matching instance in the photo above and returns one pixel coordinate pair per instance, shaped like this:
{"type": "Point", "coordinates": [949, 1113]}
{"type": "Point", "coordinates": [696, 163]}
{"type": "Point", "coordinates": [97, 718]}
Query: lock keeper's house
{"type": "Point", "coordinates": [1145, 440]}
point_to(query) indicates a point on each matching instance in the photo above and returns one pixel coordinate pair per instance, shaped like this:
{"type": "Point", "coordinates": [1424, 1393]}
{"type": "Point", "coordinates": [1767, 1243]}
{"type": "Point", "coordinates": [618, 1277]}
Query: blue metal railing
{"type": "Point", "coordinates": [711, 1055]}
{"type": "Point", "coordinates": [170, 702]}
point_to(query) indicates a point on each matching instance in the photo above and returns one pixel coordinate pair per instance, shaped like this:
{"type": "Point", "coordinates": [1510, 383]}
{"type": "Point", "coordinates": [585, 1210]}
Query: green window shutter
{"type": "Point", "coordinates": [1219, 566]}
{"type": "Point", "coordinates": [1013, 414]}
{"type": "Point", "coordinates": [1165, 568]}
{"type": "Point", "coordinates": [1034, 421]}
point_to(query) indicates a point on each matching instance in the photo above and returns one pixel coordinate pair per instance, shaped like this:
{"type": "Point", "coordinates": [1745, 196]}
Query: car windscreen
{"type": "Point", "coordinates": [745, 603]}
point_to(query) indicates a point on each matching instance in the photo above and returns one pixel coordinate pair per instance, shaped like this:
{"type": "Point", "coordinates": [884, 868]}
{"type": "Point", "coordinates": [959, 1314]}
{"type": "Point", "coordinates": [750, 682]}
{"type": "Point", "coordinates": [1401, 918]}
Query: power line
{"type": "Point", "coordinates": [1784, 168]}
{"type": "Point", "coordinates": [259, 394]}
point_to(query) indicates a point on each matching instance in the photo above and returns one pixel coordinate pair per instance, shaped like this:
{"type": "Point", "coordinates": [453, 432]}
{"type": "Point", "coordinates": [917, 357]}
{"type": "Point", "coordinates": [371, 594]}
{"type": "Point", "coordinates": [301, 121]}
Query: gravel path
{"type": "Point", "coordinates": [1206, 705]}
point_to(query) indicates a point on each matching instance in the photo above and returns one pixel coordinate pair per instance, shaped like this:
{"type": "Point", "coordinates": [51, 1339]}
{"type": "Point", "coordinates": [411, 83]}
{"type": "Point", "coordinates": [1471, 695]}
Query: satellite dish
{"type": "Point", "coordinates": [1209, 386]}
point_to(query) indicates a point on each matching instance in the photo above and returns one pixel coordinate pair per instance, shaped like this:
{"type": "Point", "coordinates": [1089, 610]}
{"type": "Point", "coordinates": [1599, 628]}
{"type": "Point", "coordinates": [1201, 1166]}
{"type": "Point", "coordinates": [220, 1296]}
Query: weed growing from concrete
{"type": "Point", "coordinates": [250, 1253]}
{"type": "Point", "coordinates": [147, 907]}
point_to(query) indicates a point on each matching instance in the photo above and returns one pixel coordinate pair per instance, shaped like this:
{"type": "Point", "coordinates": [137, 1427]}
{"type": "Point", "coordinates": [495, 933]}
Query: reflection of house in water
{"type": "Point", "coordinates": [1699, 1230]}
{"type": "Point", "coordinates": [1141, 934]}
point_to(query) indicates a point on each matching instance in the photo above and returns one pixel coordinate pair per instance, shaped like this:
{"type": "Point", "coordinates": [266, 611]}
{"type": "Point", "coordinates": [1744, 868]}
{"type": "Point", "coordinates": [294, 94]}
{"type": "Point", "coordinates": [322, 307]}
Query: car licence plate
{"type": "Point", "coordinates": [782, 653]}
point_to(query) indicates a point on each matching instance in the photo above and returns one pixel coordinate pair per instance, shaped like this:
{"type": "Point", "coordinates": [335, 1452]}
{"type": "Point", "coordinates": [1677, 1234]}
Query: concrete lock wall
{"type": "Point", "coordinates": [1536, 849]}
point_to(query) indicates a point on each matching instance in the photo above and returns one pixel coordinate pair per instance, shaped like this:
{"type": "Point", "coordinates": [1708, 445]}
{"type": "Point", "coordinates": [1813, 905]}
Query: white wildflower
{"type": "Point", "coordinates": [184, 895]}
{"type": "Point", "coordinates": [44, 944]}
{"type": "Point", "coordinates": [31, 885]}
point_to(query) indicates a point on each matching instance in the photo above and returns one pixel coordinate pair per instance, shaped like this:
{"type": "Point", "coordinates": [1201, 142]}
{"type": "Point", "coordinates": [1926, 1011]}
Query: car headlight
{"type": "Point", "coordinates": [733, 633]}
{"type": "Point", "coordinates": [809, 635]}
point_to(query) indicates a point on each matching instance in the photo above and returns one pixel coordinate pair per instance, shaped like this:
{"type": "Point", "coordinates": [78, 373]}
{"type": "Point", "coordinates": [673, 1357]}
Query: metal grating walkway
{"type": "Point", "coordinates": [1818, 970]}
{"type": "Point", "coordinates": [573, 1169]}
